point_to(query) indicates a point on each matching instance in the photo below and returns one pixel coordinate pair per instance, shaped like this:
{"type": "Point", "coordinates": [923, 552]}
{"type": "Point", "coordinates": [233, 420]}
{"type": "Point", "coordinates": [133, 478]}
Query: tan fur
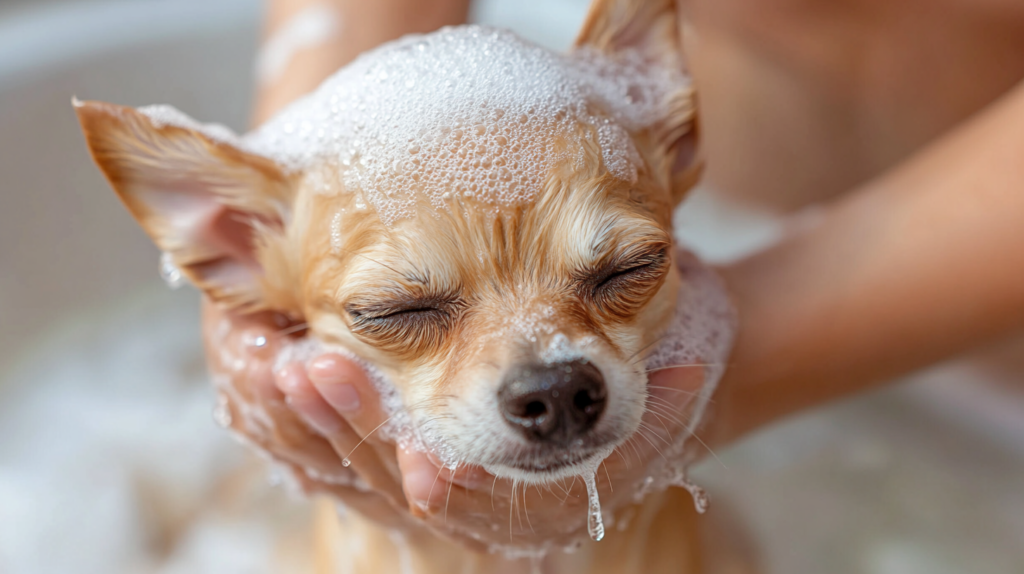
{"type": "Point", "coordinates": [142, 161]}
{"type": "Point", "coordinates": [439, 301]}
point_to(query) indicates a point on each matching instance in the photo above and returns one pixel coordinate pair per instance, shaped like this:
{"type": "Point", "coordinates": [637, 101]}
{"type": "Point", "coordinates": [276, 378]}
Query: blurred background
{"type": "Point", "coordinates": [104, 402]}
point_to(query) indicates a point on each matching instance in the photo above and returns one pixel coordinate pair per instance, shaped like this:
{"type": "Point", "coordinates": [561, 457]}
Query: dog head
{"type": "Point", "coordinates": [507, 273]}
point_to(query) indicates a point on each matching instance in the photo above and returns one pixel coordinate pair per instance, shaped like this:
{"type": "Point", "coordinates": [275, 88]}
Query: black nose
{"type": "Point", "coordinates": [554, 403]}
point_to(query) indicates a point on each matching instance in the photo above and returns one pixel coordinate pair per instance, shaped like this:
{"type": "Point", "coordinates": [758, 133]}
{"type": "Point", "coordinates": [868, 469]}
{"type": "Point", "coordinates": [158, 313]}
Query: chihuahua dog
{"type": "Point", "coordinates": [480, 219]}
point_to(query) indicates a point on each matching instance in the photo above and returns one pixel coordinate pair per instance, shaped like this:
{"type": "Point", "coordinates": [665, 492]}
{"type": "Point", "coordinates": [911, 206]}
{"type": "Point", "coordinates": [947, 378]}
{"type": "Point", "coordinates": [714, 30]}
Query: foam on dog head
{"type": "Point", "coordinates": [472, 112]}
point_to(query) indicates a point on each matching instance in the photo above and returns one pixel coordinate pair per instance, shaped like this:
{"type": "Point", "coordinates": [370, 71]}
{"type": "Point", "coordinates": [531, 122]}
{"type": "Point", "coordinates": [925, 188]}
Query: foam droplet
{"type": "Point", "coordinates": [700, 496]}
{"type": "Point", "coordinates": [222, 413]}
{"type": "Point", "coordinates": [346, 462]}
{"type": "Point", "coordinates": [595, 521]}
{"type": "Point", "coordinates": [169, 272]}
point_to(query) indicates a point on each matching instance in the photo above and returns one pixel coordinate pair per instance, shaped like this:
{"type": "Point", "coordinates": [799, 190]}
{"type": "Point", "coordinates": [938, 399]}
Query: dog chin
{"type": "Point", "coordinates": [554, 468]}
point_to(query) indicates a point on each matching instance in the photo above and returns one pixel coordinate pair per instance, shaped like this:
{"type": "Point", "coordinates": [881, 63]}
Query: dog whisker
{"type": "Point", "coordinates": [448, 499]}
{"type": "Point", "coordinates": [493, 483]}
{"type": "Point", "coordinates": [645, 347]}
{"type": "Point", "coordinates": [526, 509]}
{"type": "Point", "coordinates": [292, 329]}
{"type": "Point", "coordinates": [684, 391]}
{"type": "Point", "coordinates": [643, 435]}
{"type": "Point", "coordinates": [669, 433]}
{"type": "Point", "coordinates": [433, 484]}
{"type": "Point", "coordinates": [348, 457]}
{"type": "Point", "coordinates": [684, 366]}
{"type": "Point", "coordinates": [608, 476]}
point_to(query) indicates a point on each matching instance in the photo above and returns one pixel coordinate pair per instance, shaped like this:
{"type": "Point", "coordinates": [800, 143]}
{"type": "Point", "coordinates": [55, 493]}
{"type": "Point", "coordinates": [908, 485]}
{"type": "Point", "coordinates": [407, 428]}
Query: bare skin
{"type": "Point", "coordinates": [916, 265]}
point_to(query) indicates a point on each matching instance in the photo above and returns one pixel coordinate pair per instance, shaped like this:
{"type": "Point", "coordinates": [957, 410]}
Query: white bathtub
{"type": "Point", "coordinates": [102, 394]}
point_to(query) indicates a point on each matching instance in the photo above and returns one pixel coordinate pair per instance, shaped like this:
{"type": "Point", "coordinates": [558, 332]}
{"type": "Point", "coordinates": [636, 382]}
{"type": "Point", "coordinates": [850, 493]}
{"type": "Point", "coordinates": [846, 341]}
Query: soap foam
{"type": "Point", "coordinates": [470, 111]}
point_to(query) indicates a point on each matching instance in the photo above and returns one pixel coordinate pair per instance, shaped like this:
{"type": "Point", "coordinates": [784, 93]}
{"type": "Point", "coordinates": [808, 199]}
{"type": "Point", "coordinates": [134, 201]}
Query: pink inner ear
{"type": "Point", "coordinates": [229, 235]}
{"type": "Point", "coordinates": [213, 243]}
{"type": "Point", "coordinates": [232, 233]}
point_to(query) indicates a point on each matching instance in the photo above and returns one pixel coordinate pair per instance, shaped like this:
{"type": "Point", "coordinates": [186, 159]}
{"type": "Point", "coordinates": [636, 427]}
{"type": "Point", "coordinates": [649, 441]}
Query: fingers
{"type": "Point", "coordinates": [372, 464]}
{"type": "Point", "coordinates": [302, 396]}
{"type": "Point", "coordinates": [345, 386]}
{"type": "Point", "coordinates": [366, 502]}
{"type": "Point", "coordinates": [427, 484]}
{"type": "Point", "coordinates": [420, 480]}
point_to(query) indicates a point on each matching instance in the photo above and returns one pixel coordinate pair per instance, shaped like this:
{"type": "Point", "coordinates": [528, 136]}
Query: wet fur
{"type": "Point", "coordinates": [502, 285]}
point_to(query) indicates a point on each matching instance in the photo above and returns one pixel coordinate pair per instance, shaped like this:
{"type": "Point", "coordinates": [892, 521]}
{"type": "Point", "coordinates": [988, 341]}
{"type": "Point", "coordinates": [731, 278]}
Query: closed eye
{"type": "Point", "coordinates": [623, 288]}
{"type": "Point", "coordinates": [381, 314]}
{"type": "Point", "coordinates": [403, 325]}
{"type": "Point", "coordinates": [628, 274]}
{"type": "Point", "coordinates": [398, 313]}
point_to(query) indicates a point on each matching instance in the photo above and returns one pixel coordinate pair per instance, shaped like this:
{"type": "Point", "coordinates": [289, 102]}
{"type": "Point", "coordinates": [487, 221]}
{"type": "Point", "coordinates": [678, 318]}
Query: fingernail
{"type": "Point", "coordinates": [317, 414]}
{"type": "Point", "coordinates": [343, 397]}
{"type": "Point", "coordinates": [325, 369]}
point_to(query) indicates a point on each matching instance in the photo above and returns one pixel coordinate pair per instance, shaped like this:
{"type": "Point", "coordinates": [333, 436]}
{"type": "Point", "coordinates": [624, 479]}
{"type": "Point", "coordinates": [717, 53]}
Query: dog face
{"type": "Point", "coordinates": [514, 333]}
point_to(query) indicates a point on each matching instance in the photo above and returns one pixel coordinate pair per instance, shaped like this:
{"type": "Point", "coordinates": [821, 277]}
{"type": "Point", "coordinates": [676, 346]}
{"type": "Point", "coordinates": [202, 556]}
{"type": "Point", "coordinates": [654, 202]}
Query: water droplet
{"type": "Point", "coordinates": [595, 521]}
{"type": "Point", "coordinates": [169, 272]}
{"type": "Point", "coordinates": [346, 462]}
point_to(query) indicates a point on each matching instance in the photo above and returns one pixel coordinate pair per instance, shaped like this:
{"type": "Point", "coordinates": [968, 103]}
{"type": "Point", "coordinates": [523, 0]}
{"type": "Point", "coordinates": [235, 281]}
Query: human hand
{"type": "Point", "coordinates": [241, 353]}
{"type": "Point", "coordinates": [469, 504]}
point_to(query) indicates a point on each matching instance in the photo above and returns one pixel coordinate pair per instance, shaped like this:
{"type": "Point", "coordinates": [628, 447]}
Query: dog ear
{"type": "Point", "coordinates": [208, 204]}
{"type": "Point", "coordinates": [654, 29]}
{"type": "Point", "coordinates": [651, 27]}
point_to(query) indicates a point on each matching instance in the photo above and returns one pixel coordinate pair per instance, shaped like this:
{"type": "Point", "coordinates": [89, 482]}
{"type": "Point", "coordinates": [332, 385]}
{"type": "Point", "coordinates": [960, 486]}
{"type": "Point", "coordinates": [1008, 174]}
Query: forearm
{"type": "Point", "coordinates": [920, 265]}
{"type": "Point", "coordinates": [355, 26]}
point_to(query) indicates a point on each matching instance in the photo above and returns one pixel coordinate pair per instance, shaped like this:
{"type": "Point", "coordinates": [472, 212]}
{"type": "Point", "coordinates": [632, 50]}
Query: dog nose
{"type": "Point", "coordinates": [554, 403]}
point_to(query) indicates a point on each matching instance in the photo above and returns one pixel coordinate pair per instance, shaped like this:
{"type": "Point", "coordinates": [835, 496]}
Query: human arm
{"type": "Point", "coordinates": [923, 263]}
{"type": "Point", "coordinates": [356, 26]}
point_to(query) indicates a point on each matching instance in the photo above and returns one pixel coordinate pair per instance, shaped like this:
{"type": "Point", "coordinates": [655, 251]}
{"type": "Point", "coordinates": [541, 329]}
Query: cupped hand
{"type": "Point", "coordinates": [321, 420]}
{"type": "Point", "coordinates": [468, 504]}
{"type": "Point", "coordinates": [282, 416]}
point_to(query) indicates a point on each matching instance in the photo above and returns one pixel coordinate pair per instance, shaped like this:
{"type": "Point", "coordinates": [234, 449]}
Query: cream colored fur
{"type": "Point", "coordinates": [255, 238]}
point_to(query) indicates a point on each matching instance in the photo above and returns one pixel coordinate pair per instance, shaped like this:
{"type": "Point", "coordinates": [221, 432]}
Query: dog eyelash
{"type": "Point", "coordinates": [405, 325]}
{"type": "Point", "coordinates": [637, 269]}
{"type": "Point", "coordinates": [624, 288]}
{"type": "Point", "coordinates": [625, 274]}
{"type": "Point", "coordinates": [403, 315]}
